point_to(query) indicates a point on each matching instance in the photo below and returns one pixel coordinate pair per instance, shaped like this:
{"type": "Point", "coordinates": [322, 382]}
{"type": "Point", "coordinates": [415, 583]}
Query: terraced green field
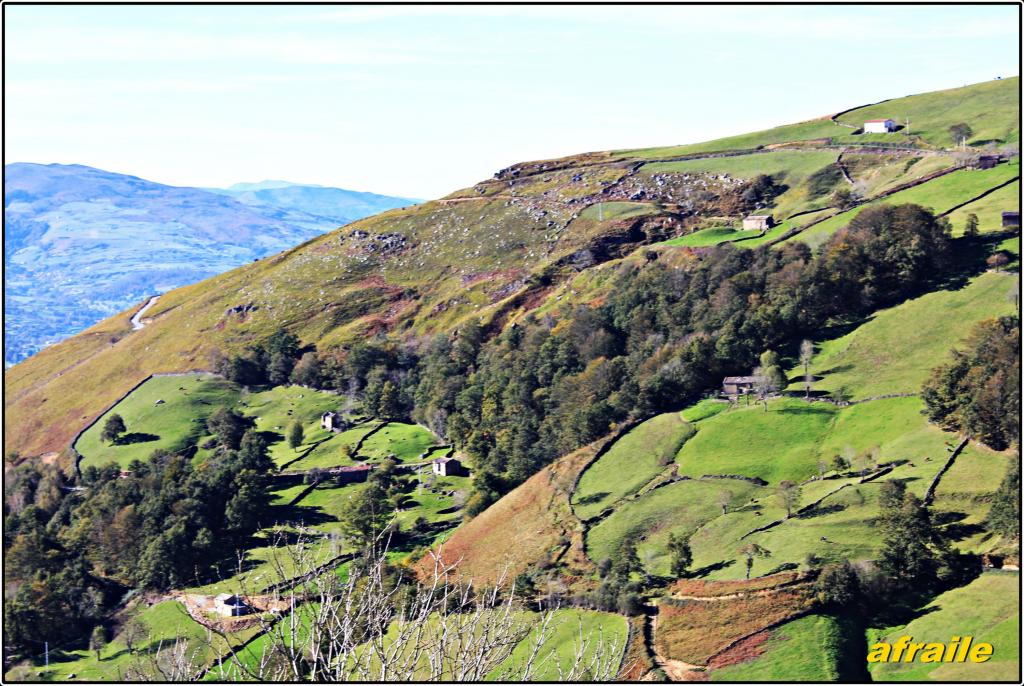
{"type": "Point", "coordinates": [712, 236]}
{"type": "Point", "coordinates": [327, 452]}
{"type": "Point", "coordinates": [568, 630]}
{"type": "Point", "coordinates": [814, 129]}
{"type": "Point", "coordinates": [988, 209]}
{"type": "Point", "coordinates": [988, 609]}
{"type": "Point", "coordinates": [939, 194]}
{"type": "Point", "coordinates": [896, 349]}
{"type": "Point", "coordinates": [180, 420]}
{"type": "Point", "coordinates": [793, 440]}
{"type": "Point", "coordinates": [275, 410]}
{"type": "Point", "coordinates": [633, 461]}
{"type": "Point", "coordinates": [678, 508]}
{"type": "Point", "coordinates": [774, 445]}
{"type": "Point", "coordinates": [406, 442]}
{"type": "Point", "coordinates": [801, 650]}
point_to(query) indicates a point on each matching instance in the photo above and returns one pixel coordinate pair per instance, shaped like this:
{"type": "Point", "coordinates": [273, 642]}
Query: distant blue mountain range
{"type": "Point", "coordinates": [81, 244]}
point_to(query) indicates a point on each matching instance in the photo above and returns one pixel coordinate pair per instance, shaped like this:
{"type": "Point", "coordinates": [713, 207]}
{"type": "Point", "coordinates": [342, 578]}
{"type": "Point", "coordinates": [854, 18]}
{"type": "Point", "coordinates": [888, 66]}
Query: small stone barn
{"type": "Point", "coordinates": [333, 421]}
{"type": "Point", "coordinates": [228, 605]}
{"type": "Point", "coordinates": [739, 385]}
{"type": "Point", "coordinates": [448, 466]}
{"type": "Point", "coordinates": [986, 162]}
{"type": "Point", "coordinates": [762, 222]}
{"type": "Point", "coordinates": [1011, 220]}
{"type": "Point", "coordinates": [879, 126]}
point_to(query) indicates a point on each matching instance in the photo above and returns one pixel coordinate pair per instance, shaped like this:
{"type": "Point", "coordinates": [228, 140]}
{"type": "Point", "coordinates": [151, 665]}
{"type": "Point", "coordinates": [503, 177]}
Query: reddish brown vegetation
{"type": "Point", "coordinates": [696, 630]}
{"type": "Point", "coordinates": [744, 651]}
{"type": "Point", "coordinates": [712, 589]}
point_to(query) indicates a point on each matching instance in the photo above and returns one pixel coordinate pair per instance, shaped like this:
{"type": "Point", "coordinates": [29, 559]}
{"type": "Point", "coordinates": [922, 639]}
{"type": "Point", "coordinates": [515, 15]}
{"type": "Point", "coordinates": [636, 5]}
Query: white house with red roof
{"type": "Point", "coordinates": [879, 126]}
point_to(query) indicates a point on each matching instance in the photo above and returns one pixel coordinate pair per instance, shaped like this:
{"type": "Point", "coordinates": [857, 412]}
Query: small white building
{"type": "Point", "coordinates": [761, 222]}
{"type": "Point", "coordinates": [333, 421]}
{"type": "Point", "coordinates": [448, 466]}
{"type": "Point", "coordinates": [228, 605]}
{"type": "Point", "coordinates": [879, 126]}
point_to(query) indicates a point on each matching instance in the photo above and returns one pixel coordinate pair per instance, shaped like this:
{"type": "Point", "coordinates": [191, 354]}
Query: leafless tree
{"type": "Point", "coordinates": [806, 354]}
{"type": "Point", "coordinates": [789, 496]}
{"type": "Point", "coordinates": [724, 499]}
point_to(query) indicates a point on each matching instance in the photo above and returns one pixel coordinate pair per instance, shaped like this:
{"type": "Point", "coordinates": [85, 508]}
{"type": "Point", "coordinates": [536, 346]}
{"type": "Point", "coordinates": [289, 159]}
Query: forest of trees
{"type": "Point", "coordinates": [160, 524]}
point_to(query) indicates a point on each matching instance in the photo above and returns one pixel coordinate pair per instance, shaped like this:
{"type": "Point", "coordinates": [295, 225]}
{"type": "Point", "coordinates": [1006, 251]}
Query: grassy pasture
{"type": "Point", "coordinates": [558, 651]}
{"type": "Point", "coordinates": [800, 650]}
{"type": "Point", "coordinates": [939, 194]}
{"type": "Point", "coordinates": [563, 643]}
{"type": "Point", "coordinates": [988, 609]}
{"type": "Point", "coordinates": [991, 109]}
{"type": "Point", "coordinates": [895, 350]}
{"type": "Point", "coordinates": [989, 210]}
{"type": "Point", "coordinates": [405, 441]}
{"type": "Point", "coordinates": [795, 165]}
{"type": "Point", "coordinates": [894, 426]}
{"type": "Point", "coordinates": [774, 445]}
{"type": "Point", "coordinates": [164, 622]}
{"type": "Point", "coordinates": [633, 461]}
{"type": "Point", "coordinates": [679, 508]}
{"type": "Point", "coordinates": [327, 452]}
{"type": "Point", "coordinates": [276, 409]}
{"type": "Point", "coordinates": [711, 236]}
{"type": "Point", "coordinates": [172, 425]}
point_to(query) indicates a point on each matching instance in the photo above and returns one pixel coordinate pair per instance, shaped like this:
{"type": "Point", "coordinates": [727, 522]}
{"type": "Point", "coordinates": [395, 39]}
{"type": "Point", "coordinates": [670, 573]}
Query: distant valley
{"type": "Point", "coordinates": [82, 244]}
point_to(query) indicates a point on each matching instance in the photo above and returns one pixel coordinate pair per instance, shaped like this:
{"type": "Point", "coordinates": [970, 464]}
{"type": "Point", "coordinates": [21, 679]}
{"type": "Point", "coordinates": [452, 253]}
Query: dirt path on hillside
{"type": "Point", "coordinates": [137, 317]}
{"type": "Point", "coordinates": [675, 670]}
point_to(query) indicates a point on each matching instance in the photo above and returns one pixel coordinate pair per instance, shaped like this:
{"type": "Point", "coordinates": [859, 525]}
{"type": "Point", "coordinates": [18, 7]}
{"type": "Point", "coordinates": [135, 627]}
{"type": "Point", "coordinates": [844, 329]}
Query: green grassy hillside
{"type": "Point", "coordinates": [987, 609]}
{"type": "Point", "coordinates": [983, 106]}
{"type": "Point", "coordinates": [492, 252]}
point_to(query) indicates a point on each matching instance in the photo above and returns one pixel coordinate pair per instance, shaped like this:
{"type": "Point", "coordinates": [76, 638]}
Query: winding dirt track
{"type": "Point", "coordinates": [137, 317]}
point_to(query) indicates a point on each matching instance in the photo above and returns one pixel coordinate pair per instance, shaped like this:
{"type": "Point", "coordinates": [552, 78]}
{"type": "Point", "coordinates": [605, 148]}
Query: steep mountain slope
{"type": "Point", "coordinates": [81, 244]}
{"type": "Point", "coordinates": [490, 252]}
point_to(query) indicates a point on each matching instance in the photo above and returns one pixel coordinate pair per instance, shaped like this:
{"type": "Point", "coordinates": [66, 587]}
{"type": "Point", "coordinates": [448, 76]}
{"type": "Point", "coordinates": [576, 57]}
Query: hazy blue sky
{"type": "Point", "coordinates": [420, 101]}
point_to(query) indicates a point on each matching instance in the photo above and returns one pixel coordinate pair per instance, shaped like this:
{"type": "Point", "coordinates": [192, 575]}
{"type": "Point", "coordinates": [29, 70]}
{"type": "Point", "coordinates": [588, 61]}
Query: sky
{"type": "Point", "coordinates": [420, 101]}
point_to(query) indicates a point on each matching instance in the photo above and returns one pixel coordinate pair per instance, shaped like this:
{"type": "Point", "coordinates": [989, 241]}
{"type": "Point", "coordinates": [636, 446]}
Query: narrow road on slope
{"type": "Point", "coordinates": [137, 317]}
{"type": "Point", "coordinates": [675, 670]}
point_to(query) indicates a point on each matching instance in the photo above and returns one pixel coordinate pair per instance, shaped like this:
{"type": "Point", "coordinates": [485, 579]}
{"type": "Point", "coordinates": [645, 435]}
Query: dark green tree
{"type": "Point", "coordinates": [971, 226]}
{"type": "Point", "coordinates": [228, 426]}
{"type": "Point", "coordinates": [113, 428]}
{"type": "Point", "coordinates": [97, 640]}
{"type": "Point", "coordinates": [295, 435]}
{"type": "Point", "coordinates": [1004, 517]}
{"type": "Point", "coordinates": [680, 556]}
{"type": "Point", "coordinates": [837, 586]}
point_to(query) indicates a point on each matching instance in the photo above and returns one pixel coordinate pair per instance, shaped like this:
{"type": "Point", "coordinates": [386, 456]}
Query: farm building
{"type": "Point", "coordinates": [228, 605]}
{"type": "Point", "coordinates": [986, 162]}
{"type": "Point", "coordinates": [448, 466]}
{"type": "Point", "coordinates": [759, 221]}
{"type": "Point", "coordinates": [739, 385]}
{"type": "Point", "coordinates": [352, 474]}
{"type": "Point", "coordinates": [1011, 220]}
{"type": "Point", "coordinates": [333, 421]}
{"type": "Point", "coordinates": [879, 126]}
